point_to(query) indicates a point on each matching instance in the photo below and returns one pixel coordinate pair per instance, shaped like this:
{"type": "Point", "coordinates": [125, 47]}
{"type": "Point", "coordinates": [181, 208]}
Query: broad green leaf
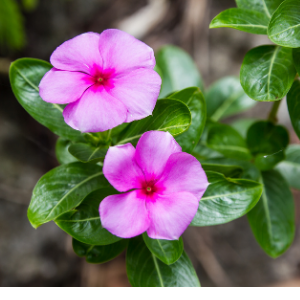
{"type": "Point", "coordinates": [167, 251]}
{"type": "Point", "coordinates": [145, 270]}
{"type": "Point", "coordinates": [284, 27]}
{"type": "Point", "coordinates": [293, 102]}
{"type": "Point", "coordinates": [168, 115]}
{"type": "Point", "coordinates": [272, 220]}
{"type": "Point", "coordinates": [83, 223]}
{"type": "Point", "coordinates": [231, 171]}
{"type": "Point", "coordinates": [226, 199]}
{"type": "Point", "coordinates": [290, 167]}
{"type": "Point", "coordinates": [87, 153]}
{"type": "Point", "coordinates": [242, 126]}
{"type": "Point", "coordinates": [227, 141]}
{"type": "Point", "coordinates": [242, 19]}
{"type": "Point", "coordinates": [202, 152]}
{"type": "Point", "coordinates": [61, 150]}
{"type": "Point", "coordinates": [225, 98]}
{"type": "Point", "coordinates": [99, 254]}
{"type": "Point", "coordinates": [267, 7]}
{"type": "Point", "coordinates": [62, 189]}
{"type": "Point", "coordinates": [267, 142]}
{"type": "Point", "coordinates": [178, 70]}
{"type": "Point", "coordinates": [25, 75]}
{"type": "Point", "coordinates": [195, 101]}
{"type": "Point", "coordinates": [296, 57]}
{"type": "Point", "coordinates": [267, 73]}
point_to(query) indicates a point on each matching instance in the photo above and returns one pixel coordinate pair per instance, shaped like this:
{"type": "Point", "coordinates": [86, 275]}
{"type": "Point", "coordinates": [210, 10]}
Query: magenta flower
{"type": "Point", "coordinates": [163, 188]}
{"type": "Point", "coordinates": [106, 78]}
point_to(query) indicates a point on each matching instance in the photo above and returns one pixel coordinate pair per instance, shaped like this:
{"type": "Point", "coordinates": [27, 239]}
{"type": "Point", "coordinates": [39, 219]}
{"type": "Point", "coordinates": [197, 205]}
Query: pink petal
{"type": "Point", "coordinates": [153, 151]}
{"type": "Point", "coordinates": [183, 173]}
{"type": "Point", "coordinates": [121, 170]}
{"type": "Point", "coordinates": [124, 215]}
{"type": "Point", "coordinates": [138, 91]}
{"type": "Point", "coordinates": [171, 214]}
{"type": "Point", "coordinates": [63, 87]}
{"type": "Point", "coordinates": [122, 52]}
{"type": "Point", "coordinates": [95, 111]}
{"type": "Point", "coordinates": [78, 54]}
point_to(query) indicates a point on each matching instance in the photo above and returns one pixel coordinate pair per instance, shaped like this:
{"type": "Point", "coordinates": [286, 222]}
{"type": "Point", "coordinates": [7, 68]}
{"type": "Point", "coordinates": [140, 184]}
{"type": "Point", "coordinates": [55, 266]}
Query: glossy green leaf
{"type": "Point", "coordinates": [88, 153]}
{"type": "Point", "coordinates": [168, 251]}
{"type": "Point", "coordinates": [242, 126]}
{"type": "Point", "coordinates": [168, 115]}
{"type": "Point", "coordinates": [226, 199]}
{"type": "Point", "coordinates": [293, 102]}
{"type": "Point", "coordinates": [99, 254]}
{"type": "Point", "coordinates": [242, 19]}
{"type": "Point", "coordinates": [231, 171]}
{"type": "Point", "coordinates": [267, 73]}
{"type": "Point", "coordinates": [296, 57]}
{"type": "Point", "coordinates": [195, 101]}
{"type": "Point", "coordinates": [225, 98]}
{"type": "Point", "coordinates": [284, 27]}
{"type": "Point", "coordinates": [177, 69]}
{"type": "Point", "coordinates": [83, 223]}
{"type": "Point", "coordinates": [272, 220]}
{"type": "Point", "coordinates": [25, 75]}
{"type": "Point", "coordinates": [62, 189]}
{"type": "Point", "coordinates": [61, 151]}
{"type": "Point", "coordinates": [145, 270]}
{"type": "Point", "coordinates": [290, 167]}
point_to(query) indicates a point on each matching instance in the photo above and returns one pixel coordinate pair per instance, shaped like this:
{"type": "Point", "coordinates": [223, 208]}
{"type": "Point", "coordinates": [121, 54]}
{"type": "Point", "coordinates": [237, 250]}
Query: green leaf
{"type": "Point", "coordinates": [267, 73]}
{"type": "Point", "coordinates": [241, 19]}
{"type": "Point", "coordinates": [202, 152]}
{"type": "Point", "coordinates": [242, 126]}
{"type": "Point", "coordinates": [62, 189]}
{"type": "Point", "coordinates": [296, 57]}
{"type": "Point", "coordinates": [25, 75]}
{"type": "Point", "coordinates": [290, 167]}
{"type": "Point", "coordinates": [83, 223]}
{"type": "Point", "coordinates": [195, 101]}
{"type": "Point", "coordinates": [226, 140]}
{"type": "Point", "coordinates": [267, 142]}
{"type": "Point", "coordinates": [61, 150]}
{"type": "Point", "coordinates": [284, 27]}
{"type": "Point", "coordinates": [225, 98]}
{"type": "Point", "coordinates": [230, 171]}
{"type": "Point", "coordinates": [145, 270]}
{"type": "Point", "coordinates": [168, 115]}
{"type": "Point", "coordinates": [177, 69]}
{"type": "Point", "coordinates": [99, 254]}
{"type": "Point", "coordinates": [272, 220]}
{"type": "Point", "coordinates": [87, 153]}
{"type": "Point", "coordinates": [226, 200]}
{"type": "Point", "coordinates": [167, 251]}
{"type": "Point", "coordinates": [267, 7]}
{"type": "Point", "coordinates": [293, 102]}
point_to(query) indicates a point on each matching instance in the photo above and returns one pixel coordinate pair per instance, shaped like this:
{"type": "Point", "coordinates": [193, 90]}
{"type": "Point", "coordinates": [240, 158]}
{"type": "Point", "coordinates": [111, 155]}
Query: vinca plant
{"type": "Point", "coordinates": [143, 151]}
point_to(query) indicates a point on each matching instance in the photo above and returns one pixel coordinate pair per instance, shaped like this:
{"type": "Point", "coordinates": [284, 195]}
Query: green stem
{"type": "Point", "coordinates": [273, 113]}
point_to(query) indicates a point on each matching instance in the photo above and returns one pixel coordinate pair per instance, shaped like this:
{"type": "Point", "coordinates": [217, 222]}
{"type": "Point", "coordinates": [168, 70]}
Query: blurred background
{"type": "Point", "coordinates": [224, 255]}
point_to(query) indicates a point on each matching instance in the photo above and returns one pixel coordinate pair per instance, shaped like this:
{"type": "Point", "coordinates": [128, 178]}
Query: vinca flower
{"type": "Point", "coordinates": [162, 185]}
{"type": "Point", "coordinates": [106, 79]}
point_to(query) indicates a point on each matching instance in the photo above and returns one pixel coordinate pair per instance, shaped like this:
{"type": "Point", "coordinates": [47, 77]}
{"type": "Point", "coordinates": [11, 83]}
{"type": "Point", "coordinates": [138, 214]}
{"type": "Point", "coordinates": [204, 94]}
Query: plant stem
{"type": "Point", "coordinates": [273, 113]}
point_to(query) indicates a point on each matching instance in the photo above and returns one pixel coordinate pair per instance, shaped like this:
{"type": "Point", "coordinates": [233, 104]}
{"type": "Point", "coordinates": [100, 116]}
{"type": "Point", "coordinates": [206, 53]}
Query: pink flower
{"type": "Point", "coordinates": [163, 187]}
{"type": "Point", "coordinates": [106, 78]}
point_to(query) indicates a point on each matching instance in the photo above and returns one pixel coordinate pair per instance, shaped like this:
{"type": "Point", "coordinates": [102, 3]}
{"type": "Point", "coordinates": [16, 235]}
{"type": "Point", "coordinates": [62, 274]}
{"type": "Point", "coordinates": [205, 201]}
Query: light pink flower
{"type": "Point", "coordinates": [163, 187]}
{"type": "Point", "coordinates": [106, 78]}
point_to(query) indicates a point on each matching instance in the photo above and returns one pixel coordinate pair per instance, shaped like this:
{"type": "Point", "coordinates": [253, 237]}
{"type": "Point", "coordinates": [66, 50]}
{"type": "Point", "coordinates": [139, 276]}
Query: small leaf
{"type": "Point", "coordinates": [284, 27]}
{"type": "Point", "coordinates": [167, 251]}
{"type": "Point", "coordinates": [99, 254]}
{"type": "Point", "coordinates": [226, 200]}
{"type": "Point", "coordinates": [230, 171]}
{"type": "Point", "coordinates": [272, 220]}
{"type": "Point", "coordinates": [178, 70]}
{"type": "Point", "coordinates": [267, 73]}
{"type": "Point", "coordinates": [87, 153]}
{"type": "Point", "coordinates": [242, 126]}
{"type": "Point", "coordinates": [293, 102]}
{"type": "Point", "coordinates": [145, 270]}
{"type": "Point", "coordinates": [61, 151]}
{"type": "Point", "coordinates": [242, 19]}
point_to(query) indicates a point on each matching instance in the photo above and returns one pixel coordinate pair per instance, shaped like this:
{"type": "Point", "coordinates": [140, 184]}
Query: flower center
{"type": "Point", "coordinates": [148, 189]}
{"type": "Point", "coordinates": [100, 79]}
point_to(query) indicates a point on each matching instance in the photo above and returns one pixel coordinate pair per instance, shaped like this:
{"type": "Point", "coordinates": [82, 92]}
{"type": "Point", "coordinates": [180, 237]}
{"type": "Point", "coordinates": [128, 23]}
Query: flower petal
{"type": "Point", "coordinates": [80, 53]}
{"type": "Point", "coordinates": [171, 214]}
{"type": "Point", "coordinates": [138, 91]}
{"type": "Point", "coordinates": [124, 215]}
{"type": "Point", "coordinates": [121, 52]}
{"type": "Point", "coordinates": [183, 173]}
{"type": "Point", "coordinates": [63, 87]}
{"type": "Point", "coordinates": [121, 170]}
{"type": "Point", "coordinates": [95, 111]}
{"type": "Point", "coordinates": [153, 151]}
